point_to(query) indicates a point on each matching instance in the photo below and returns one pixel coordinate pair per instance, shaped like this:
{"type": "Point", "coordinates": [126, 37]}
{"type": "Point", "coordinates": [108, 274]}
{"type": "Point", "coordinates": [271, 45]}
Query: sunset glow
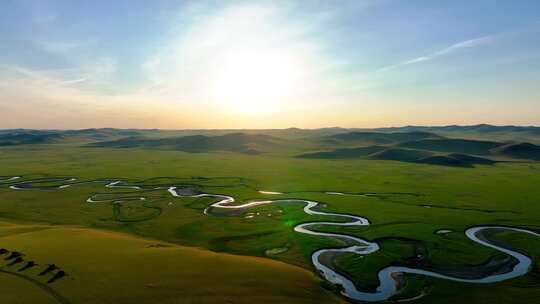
{"type": "Point", "coordinates": [196, 64]}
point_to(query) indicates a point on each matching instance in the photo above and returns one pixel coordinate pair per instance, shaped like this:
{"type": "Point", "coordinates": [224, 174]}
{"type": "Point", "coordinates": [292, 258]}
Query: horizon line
{"type": "Point", "coordinates": [288, 128]}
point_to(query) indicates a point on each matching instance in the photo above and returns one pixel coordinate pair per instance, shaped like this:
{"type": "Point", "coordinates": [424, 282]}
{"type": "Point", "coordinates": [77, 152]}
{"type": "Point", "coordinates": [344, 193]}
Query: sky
{"type": "Point", "coordinates": [268, 64]}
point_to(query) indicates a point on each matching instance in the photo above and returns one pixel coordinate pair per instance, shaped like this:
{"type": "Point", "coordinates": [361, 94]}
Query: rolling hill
{"type": "Point", "coordinates": [427, 157]}
{"type": "Point", "coordinates": [456, 160]}
{"type": "Point", "coordinates": [521, 151]}
{"type": "Point", "coordinates": [233, 142]}
{"type": "Point", "coordinates": [403, 155]}
{"type": "Point", "coordinates": [344, 153]}
{"type": "Point", "coordinates": [111, 267]}
{"type": "Point", "coordinates": [478, 132]}
{"type": "Point", "coordinates": [431, 149]}
{"type": "Point", "coordinates": [466, 146]}
{"type": "Point", "coordinates": [376, 137]}
{"type": "Point", "coordinates": [32, 137]}
{"type": "Point", "coordinates": [410, 144]}
{"type": "Point", "coordinates": [406, 155]}
{"type": "Point", "coordinates": [479, 128]}
{"type": "Point", "coordinates": [29, 138]}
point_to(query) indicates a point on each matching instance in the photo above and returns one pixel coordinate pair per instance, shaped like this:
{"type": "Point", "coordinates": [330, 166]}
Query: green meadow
{"type": "Point", "coordinates": [107, 248]}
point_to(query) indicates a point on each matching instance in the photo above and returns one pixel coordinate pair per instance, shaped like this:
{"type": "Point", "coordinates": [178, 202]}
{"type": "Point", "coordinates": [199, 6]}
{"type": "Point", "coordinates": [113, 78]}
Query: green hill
{"type": "Point", "coordinates": [479, 132]}
{"type": "Point", "coordinates": [344, 153]}
{"type": "Point", "coordinates": [233, 142]}
{"type": "Point", "coordinates": [29, 138]}
{"type": "Point", "coordinates": [472, 159]}
{"type": "Point", "coordinates": [377, 137]}
{"type": "Point", "coordinates": [466, 146]}
{"type": "Point", "coordinates": [521, 150]}
{"type": "Point", "coordinates": [406, 155]}
{"type": "Point", "coordinates": [456, 160]}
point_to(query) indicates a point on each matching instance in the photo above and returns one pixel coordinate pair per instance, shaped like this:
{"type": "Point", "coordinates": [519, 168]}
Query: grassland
{"type": "Point", "coordinates": [110, 267]}
{"type": "Point", "coordinates": [437, 197]}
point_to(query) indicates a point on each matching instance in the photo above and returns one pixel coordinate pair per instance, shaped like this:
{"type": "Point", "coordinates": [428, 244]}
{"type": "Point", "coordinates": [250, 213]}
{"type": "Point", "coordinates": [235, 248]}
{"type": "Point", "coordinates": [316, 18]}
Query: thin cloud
{"type": "Point", "coordinates": [471, 43]}
{"type": "Point", "coordinates": [97, 72]}
{"type": "Point", "coordinates": [464, 45]}
{"type": "Point", "coordinates": [73, 81]}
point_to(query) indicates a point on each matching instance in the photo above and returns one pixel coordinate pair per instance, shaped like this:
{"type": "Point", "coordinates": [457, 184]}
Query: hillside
{"type": "Point", "coordinates": [479, 128]}
{"type": "Point", "coordinates": [233, 142]}
{"type": "Point", "coordinates": [426, 157]}
{"type": "Point", "coordinates": [455, 160]}
{"type": "Point", "coordinates": [406, 155]}
{"type": "Point", "coordinates": [478, 132]}
{"type": "Point", "coordinates": [466, 146]}
{"type": "Point", "coordinates": [344, 153]}
{"type": "Point", "coordinates": [434, 151]}
{"type": "Point", "coordinates": [111, 267]}
{"type": "Point", "coordinates": [326, 143]}
{"type": "Point", "coordinates": [403, 155]}
{"type": "Point", "coordinates": [29, 138]}
{"type": "Point", "coordinates": [521, 151]}
{"type": "Point", "coordinates": [376, 137]}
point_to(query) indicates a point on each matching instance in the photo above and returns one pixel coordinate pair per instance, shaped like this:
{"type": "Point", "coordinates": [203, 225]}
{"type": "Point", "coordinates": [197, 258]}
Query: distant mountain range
{"type": "Point", "coordinates": [480, 128]}
{"type": "Point", "coordinates": [295, 132]}
{"type": "Point", "coordinates": [463, 146]}
{"type": "Point", "coordinates": [233, 142]}
{"type": "Point", "coordinates": [424, 147]}
{"type": "Point", "coordinates": [26, 136]}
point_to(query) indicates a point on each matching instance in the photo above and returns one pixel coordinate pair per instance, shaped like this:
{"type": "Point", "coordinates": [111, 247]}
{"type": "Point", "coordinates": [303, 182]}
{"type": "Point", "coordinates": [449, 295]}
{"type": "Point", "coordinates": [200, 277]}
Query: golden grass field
{"type": "Point", "coordinates": [110, 267]}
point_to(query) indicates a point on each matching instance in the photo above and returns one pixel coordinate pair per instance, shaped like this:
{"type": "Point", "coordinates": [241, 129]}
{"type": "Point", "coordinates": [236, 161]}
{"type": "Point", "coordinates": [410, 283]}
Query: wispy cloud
{"type": "Point", "coordinates": [96, 72]}
{"type": "Point", "coordinates": [63, 103]}
{"type": "Point", "coordinates": [60, 47]}
{"type": "Point", "coordinates": [471, 43]}
{"type": "Point", "coordinates": [73, 81]}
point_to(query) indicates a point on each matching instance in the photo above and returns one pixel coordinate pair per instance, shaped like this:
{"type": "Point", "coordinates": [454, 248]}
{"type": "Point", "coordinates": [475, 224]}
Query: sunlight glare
{"type": "Point", "coordinates": [255, 81]}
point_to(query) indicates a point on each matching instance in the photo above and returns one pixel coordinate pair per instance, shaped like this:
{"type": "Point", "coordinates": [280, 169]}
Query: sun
{"type": "Point", "coordinates": [256, 81]}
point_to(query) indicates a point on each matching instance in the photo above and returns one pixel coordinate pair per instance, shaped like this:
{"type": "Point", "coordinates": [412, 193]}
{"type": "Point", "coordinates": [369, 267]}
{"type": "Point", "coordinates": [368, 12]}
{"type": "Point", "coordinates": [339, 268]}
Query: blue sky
{"type": "Point", "coordinates": [266, 64]}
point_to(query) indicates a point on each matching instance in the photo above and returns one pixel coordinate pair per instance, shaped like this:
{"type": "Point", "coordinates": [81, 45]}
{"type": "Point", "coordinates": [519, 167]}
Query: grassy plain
{"type": "Point", "coordinates": [444, 198]}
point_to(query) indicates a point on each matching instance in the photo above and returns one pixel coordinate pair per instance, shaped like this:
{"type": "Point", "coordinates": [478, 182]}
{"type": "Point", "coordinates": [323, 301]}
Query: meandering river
{"type": "Point", "coordinates": [388, 285]}
{"type": "Point", "coordinates": [388, 282]}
